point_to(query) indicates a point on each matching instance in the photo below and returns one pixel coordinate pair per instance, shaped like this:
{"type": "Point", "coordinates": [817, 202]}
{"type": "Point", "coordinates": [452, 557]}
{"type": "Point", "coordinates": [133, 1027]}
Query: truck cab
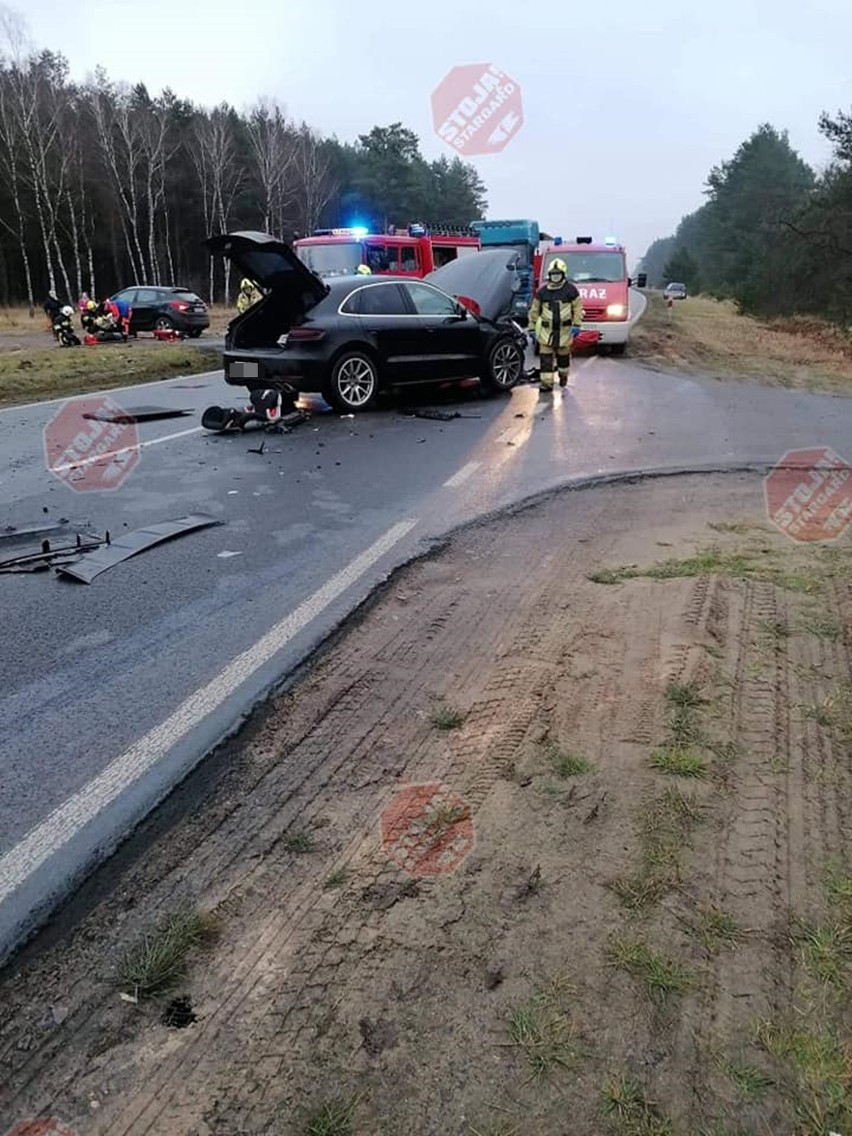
{"type": "Point", "coordinates": [523, 237]}
{"type": "Point", "coordinates": [599, 272]}
{"type": "Point", "coordinates": [414, 252]}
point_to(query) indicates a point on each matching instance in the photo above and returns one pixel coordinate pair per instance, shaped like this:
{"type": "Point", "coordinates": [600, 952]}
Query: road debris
{"type": "Point", "coordinates": [92, 564]}
{"type": "Point", "coordinates": [226, 554]}
{"type": "Point", "coordinates": [136, 414]}
{"type": "Point", "coordinates": [49, 557]}
{"type": "Point", "coordinates": [439, 415]}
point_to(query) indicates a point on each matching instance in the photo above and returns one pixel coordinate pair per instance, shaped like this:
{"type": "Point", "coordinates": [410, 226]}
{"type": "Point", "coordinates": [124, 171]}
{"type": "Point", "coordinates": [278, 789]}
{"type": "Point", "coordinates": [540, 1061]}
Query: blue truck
{"type": "Point", "coordinates": [523, 236]}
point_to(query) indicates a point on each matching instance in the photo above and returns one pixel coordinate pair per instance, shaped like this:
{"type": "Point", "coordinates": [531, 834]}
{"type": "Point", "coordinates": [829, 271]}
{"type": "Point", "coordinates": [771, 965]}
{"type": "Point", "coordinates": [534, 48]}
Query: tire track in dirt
{"type": "Point", "coordinates": [312, 967]}
{"type": "Point", "coordinates": [754, 880]}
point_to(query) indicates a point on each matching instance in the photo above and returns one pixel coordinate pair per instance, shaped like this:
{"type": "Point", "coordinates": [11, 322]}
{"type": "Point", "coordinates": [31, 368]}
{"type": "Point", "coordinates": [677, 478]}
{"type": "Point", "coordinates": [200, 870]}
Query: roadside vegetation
{"type": "Point", "coordinates": [708, 337]}
{"type": "Point", "coordinates": [29, 374]}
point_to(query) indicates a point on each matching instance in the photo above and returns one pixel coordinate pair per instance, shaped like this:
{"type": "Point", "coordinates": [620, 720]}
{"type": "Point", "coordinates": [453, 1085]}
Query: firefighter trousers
{"type": "Point", "coordinates": [563, 363]}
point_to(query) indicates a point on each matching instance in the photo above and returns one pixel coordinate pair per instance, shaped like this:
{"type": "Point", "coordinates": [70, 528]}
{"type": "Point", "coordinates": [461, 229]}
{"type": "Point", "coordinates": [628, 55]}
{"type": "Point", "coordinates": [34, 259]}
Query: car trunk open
{"type": "Point", "coordinates": [290, 289]}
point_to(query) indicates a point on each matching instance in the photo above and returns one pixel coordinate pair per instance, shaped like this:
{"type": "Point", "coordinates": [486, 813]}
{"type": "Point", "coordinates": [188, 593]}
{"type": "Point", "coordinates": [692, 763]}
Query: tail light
{"type": "Point", "coordinates": [305, 334]}
{"type": "Point", "coordinates": [179, 305]}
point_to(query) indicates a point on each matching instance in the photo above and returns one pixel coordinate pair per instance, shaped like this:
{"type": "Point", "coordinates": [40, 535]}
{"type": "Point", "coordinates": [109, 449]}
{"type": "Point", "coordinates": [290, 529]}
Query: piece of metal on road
{"type": "Point", "coordinates": [129, 544]}
{"type": "Point", "coordinates": [137, 414]}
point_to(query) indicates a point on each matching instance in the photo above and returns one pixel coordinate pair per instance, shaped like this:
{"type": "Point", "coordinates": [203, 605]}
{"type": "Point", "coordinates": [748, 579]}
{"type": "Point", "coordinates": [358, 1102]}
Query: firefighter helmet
{"type": "Point", "coordinates": [246, 285]}
{"type": "Point", "coordinates": [557, 270]}
{"type": "Point", "coordinates": [364, 270]}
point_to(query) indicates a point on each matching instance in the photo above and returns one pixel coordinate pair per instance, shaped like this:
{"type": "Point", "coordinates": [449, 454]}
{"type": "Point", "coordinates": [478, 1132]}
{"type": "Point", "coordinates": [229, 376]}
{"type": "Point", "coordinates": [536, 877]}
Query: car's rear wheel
{"type": "Point", "coordinates": [504, 367]}
{"type": "Point", "coordinates": [195, 333]}
{"type": "Point", "coordinates": [163, 323]}
{"type": "Point", "coordinates": [353, 384]}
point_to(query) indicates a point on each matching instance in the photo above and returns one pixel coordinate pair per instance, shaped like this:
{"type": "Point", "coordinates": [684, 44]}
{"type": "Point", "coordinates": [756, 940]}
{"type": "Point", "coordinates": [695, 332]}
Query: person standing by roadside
{"type": "Point", "coordinates": [555, 319]}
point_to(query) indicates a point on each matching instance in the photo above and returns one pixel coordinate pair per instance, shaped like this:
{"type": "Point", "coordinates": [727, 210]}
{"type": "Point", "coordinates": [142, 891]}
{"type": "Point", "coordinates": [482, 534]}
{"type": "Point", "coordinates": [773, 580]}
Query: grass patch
{"type": "Point", "coordinates": [775, 628]}
{"type": "Point", "coordinates": [566, 763]}
{"type": "Point", "coordinates": [336, 879]}
{"type": "Point", "coordinates": [335, 1118]}
{"type": "Point", "coordinates": [684, 695]}
{"type": "Point", "coordinates": [299, 843]}
{"type": "Point", "coordinates": [713, 561]}
{"type": "Point", "coordinates": [445, 716]}
{"type": "Point", "coordinates": [663, 976]}
{"type": "Point", "coordinates": [678, 761]}
{"type": "Point", "coordinates": [823, 627]}
{"type": "Point", "coordinates": [543, 1030]}
{"type": "Point", "coordinates": [820, 1064]}
{"type": "Point", "coordinates": [665, 834]}
{"type": "Point", "coordinates": [716, 929]}
{"type": "Point", "coordinates": [161, 958]}
{"type": "Point", "coordinates": [628, 1111]}
{"type": "Point", "coordinates": [751, 1083]}
{"type": "Point", "coordinates": [53, 372]}
{"type": "Point", "coordinates": [826, 952]}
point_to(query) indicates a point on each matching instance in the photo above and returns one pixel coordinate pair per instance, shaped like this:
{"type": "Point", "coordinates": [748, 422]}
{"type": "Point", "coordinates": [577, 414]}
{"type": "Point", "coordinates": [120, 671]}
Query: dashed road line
{"type": "Point", "coordinates": [461, 476]}
{"type": "Point", "coordinates": [110, 454]}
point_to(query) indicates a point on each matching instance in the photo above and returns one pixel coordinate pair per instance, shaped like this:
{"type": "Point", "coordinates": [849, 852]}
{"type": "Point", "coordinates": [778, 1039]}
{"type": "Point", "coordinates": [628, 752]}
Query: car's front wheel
{"type": "Point", "coordinates": [504, 366]}
{"type": "Point", "coordinates": [353, 384]}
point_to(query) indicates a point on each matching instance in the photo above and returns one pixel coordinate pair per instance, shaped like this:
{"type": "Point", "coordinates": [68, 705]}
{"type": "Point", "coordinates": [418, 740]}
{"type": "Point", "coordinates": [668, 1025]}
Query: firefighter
{"type": "Point", "coordinates": [555, 318]}
{"type": "Point", "coordinates": [246, 295]}
{"type": "Point", "coordinates": [363, 270]}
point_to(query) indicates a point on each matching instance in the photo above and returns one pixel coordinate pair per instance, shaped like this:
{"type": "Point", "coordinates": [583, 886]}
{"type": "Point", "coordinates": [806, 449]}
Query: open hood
{"type": "Point", "coordinates": [489, 278]}
{"type": "Point", "coordinates": [268, 262]}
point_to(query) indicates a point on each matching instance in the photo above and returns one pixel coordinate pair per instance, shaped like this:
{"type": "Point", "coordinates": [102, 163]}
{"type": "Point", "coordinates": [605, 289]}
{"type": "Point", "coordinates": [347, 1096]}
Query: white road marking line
{"type": "Point", "coordinates": [110, 390]}
{"type": "Point", "coordinates": [63, 824]}
{"type": "Point", "coordinates": [462, 475]}
{"type": "Point", "coordinates": [506, 434]}
{"type": "Point", "coordinates": [124, 450]}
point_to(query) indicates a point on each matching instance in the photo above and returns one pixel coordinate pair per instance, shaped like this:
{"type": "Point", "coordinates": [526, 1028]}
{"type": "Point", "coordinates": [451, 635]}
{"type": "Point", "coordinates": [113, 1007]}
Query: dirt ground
{"type": "Point", "coordinates": [706, 337]}
{"type": "Point", "coordinates": [629, 912]}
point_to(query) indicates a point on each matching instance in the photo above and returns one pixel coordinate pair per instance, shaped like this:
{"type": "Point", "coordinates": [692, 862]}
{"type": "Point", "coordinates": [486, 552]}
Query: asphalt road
{"type": "Point", "coordinates": [111, 692]}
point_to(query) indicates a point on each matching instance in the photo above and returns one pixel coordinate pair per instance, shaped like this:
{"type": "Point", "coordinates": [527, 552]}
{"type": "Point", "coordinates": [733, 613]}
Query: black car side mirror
{"type": "Point", "coordinates": [642, 280]}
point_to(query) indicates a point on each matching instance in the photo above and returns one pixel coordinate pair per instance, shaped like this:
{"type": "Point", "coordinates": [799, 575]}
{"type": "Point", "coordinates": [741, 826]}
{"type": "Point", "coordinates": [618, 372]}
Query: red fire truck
{"type": "Point", "coordinates": [415, 251]}
{"type": "Point", "coordinates": [599, 272]}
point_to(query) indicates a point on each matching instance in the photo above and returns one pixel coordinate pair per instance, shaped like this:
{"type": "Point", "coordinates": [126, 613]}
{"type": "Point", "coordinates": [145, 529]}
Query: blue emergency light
{"type": "Point", "coordinates": [557, 240]}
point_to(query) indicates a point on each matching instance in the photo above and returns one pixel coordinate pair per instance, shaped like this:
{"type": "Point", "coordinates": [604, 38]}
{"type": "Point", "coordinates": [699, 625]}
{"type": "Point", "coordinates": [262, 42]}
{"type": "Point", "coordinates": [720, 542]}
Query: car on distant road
{"type": "Point", "coordinates": [352, 337]}
{"type": "Point", "coordinates": [157, 308]}
{"type": "Point", "coordinates": [675, 291]}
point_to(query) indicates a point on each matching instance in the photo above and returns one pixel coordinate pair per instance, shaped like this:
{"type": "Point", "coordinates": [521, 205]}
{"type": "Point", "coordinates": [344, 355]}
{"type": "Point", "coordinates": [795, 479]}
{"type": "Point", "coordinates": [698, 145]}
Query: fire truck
{"type": "Point", "coordinates": [415, 251]}
{"type": "Point", "coordinates": [599, 271]}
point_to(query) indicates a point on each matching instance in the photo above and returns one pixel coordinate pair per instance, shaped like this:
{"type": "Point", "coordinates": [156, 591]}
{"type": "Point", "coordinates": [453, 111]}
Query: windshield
{"type": "Point", "coordinates": [338, 259]}
{"type": "Point", "coordinates": [592, 267]}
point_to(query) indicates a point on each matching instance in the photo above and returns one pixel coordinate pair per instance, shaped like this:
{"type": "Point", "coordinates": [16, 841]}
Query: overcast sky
{"type": "Point", "coordinates": [627, 105]}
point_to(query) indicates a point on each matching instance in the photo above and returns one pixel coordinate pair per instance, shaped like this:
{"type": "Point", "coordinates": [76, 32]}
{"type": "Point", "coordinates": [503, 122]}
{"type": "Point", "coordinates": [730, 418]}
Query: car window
{"type": "Point", "coordinates": [382, 300]}
{"type": "Point", "coordinates": [392, 258]}
{"type": "Point", "coordinates": [430, 302]}
{"type": "Point", "coordinates": [145, 296]}
{"type": "Point", "coordinates": [129, 294]}
{"type": "Point", "coordinates": [377, 258]}
{"type": "Point", "coordinates": [409, 259]}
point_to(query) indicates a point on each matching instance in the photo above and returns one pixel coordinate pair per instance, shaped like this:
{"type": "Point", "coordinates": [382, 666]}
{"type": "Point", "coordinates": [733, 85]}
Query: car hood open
{"type": "Point", "coordinates": [489, 278]}
{"type": "Point", "coordinates": [268, 262]}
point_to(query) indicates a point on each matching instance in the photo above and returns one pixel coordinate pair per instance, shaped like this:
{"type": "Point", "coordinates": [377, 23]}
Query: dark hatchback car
{"type": "Point", "coordinates": [155, 308]}
{"type": "Point", "coordinates": [352, 337]}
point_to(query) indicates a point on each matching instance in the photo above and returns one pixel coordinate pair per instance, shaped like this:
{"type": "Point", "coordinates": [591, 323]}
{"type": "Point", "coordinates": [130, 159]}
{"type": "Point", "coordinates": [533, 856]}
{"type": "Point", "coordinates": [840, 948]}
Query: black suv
{"type": "Point", "coordinates": [155, 308]}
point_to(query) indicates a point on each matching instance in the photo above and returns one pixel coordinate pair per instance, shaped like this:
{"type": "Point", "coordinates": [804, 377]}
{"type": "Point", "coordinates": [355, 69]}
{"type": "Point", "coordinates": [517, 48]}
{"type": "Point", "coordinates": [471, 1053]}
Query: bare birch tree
{"type": "Point", "coordinates": [316, 185]}
{"type": "Point", "coordinates": [273, 149]}
{"type": "Point", "coordinates": [220, 176]}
